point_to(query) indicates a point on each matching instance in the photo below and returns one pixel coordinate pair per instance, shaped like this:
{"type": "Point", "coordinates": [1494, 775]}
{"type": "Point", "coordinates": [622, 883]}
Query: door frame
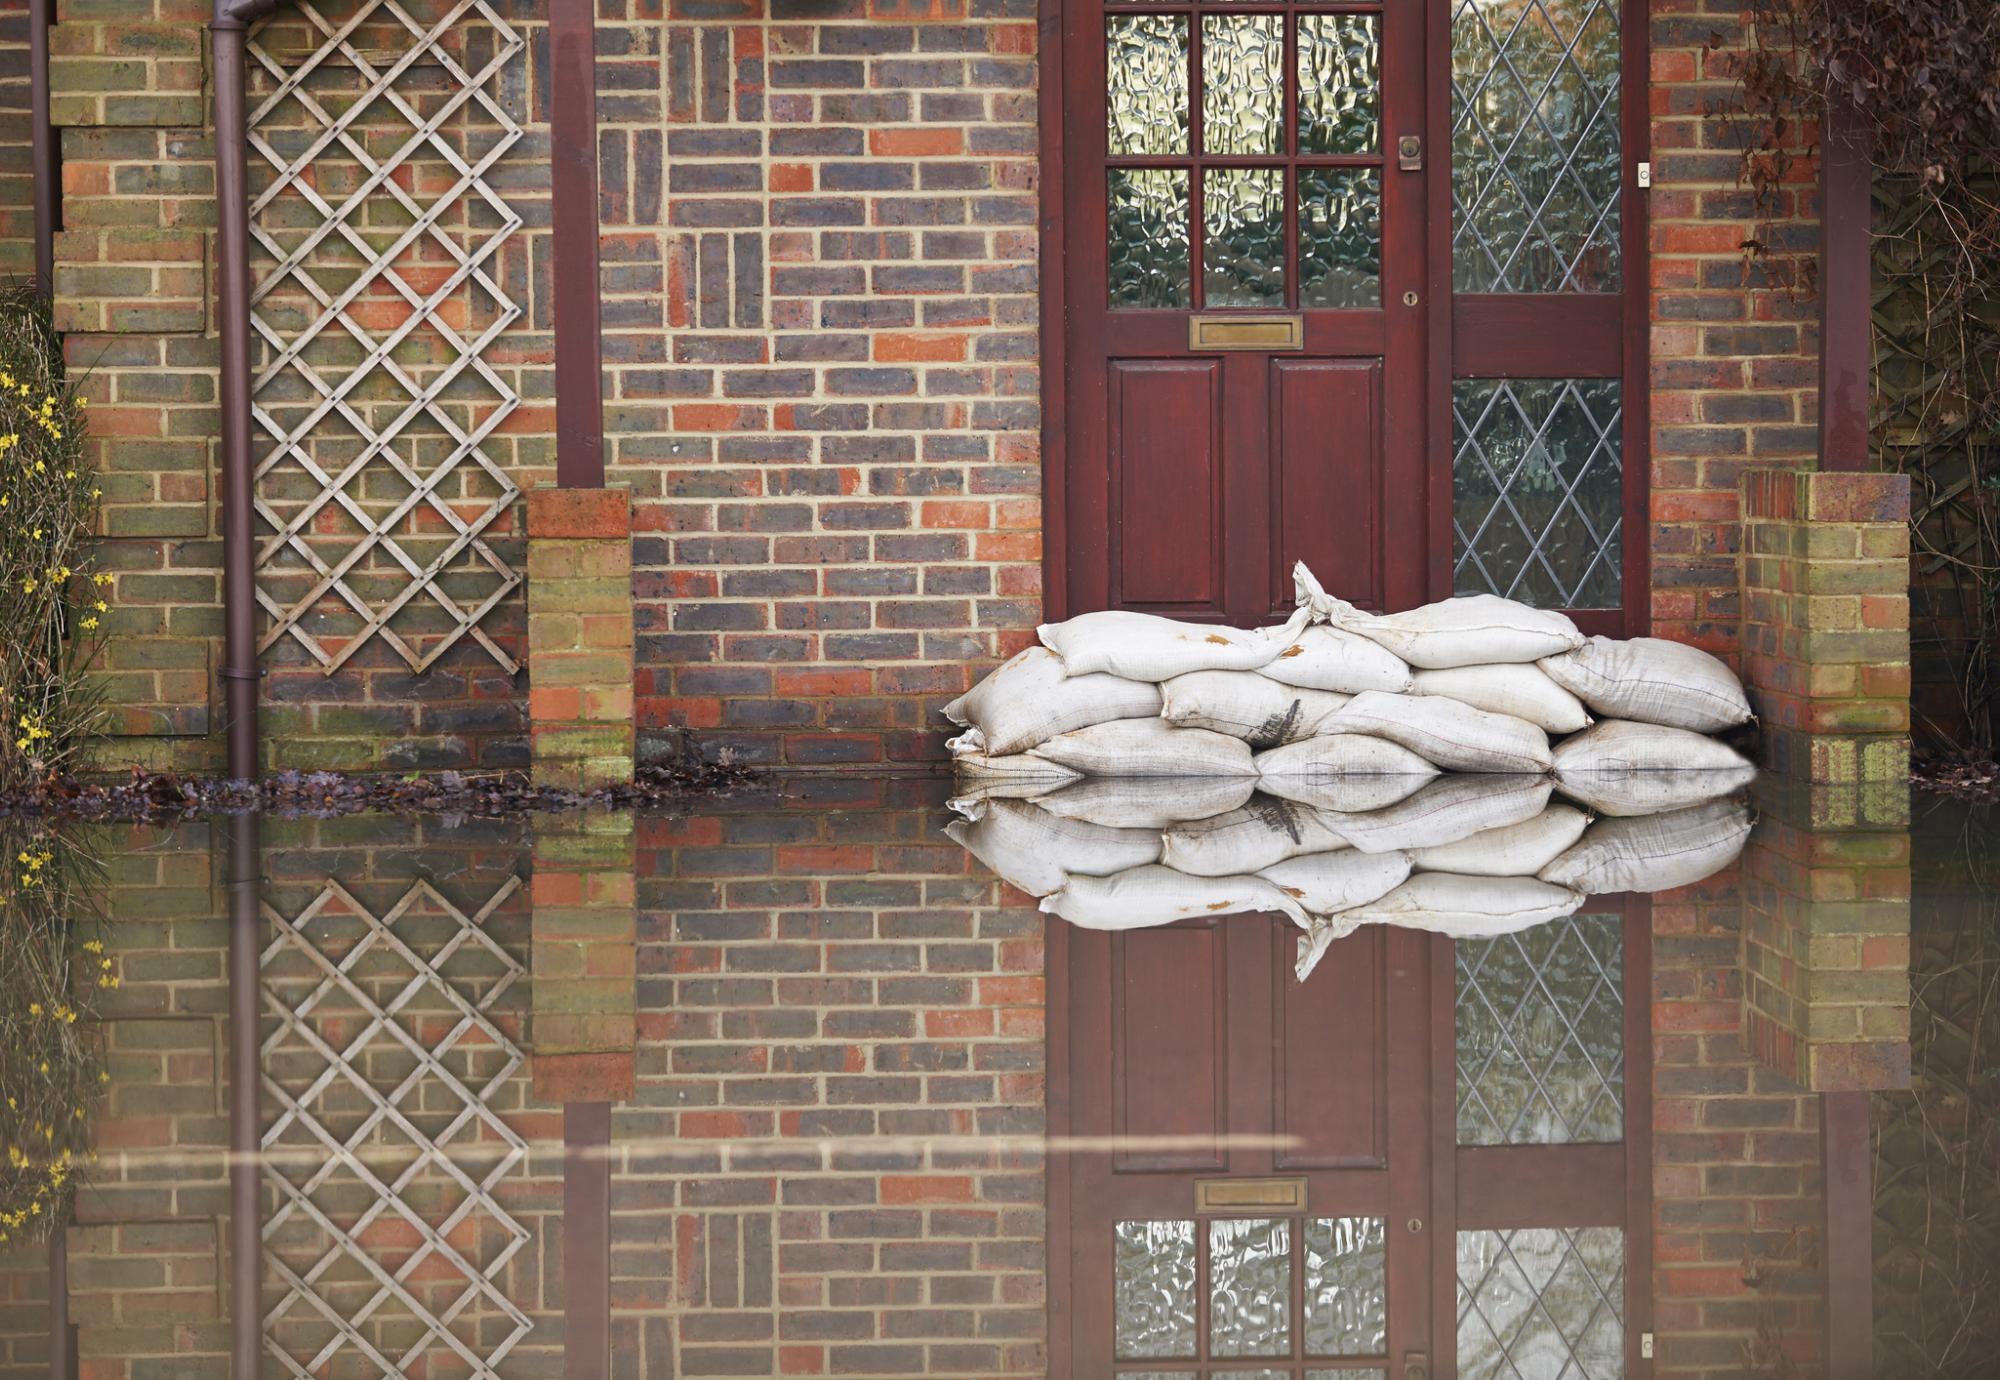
{"type": "Point", "coordinates": [1629, 334]}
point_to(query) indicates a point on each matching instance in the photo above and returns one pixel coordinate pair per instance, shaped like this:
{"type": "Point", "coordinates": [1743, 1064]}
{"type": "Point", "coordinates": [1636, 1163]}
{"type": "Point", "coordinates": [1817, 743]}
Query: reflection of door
{"type": "Point", "coordinates": [1243, 267]}
{"type": "Point", "coordinates": [1421, 1162]}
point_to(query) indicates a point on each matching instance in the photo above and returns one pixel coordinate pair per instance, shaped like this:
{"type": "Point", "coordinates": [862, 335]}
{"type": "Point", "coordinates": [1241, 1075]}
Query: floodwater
{"type": "Point", "coordinates": [791, 1083]}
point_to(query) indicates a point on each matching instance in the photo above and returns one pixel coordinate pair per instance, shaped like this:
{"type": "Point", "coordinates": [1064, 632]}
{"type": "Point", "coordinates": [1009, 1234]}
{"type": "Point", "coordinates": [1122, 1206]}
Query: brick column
{"type": "Point", "coordinates": [585, 964]}
{"type": "Point", "coordinates": [1826, 945]}
{"type": "Point", "coordinates": [1826, 622]}
{"type": "Point", "coordinates": [580, 636]}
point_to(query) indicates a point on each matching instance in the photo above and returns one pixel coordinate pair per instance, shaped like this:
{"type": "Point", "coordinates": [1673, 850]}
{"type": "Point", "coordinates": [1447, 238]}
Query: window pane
{"type": "Point", "coordinates": [1340, 92]}
{"type": "Point", "coordinates": [1340, 237]}
{"type": "Point", "coordinates": [1148, 233]}
{"type": "Point", "coordinates": [1346, 1301]}
{"type": "Point", "coordinates": [1154, 1264]}
{"type": "Point", "coordinates": [1249, 1287]}
{"type": "Point", "coordinates": [1243, 256]}
{"type": "Point", "coordinates": [1541, 1035]}
{"type": "Point", "coordinates": [1535, 152]}
{"type": "Point", "coordinates": [1541, 1301]}
{"type": "Point", "coordinates": [1146, 65]}
{"type": "Point", "coordinates": [1364, 1373]}
{"type": "Point", "coordinates": [1538, 490]}
{"type": "Point", "coordinates": [1243, 83]}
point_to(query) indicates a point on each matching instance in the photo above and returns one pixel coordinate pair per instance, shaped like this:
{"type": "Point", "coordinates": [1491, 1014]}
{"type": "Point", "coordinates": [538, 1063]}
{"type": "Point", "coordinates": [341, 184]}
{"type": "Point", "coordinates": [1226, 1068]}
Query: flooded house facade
{"type": "Point", "coordinates": [891, 328]}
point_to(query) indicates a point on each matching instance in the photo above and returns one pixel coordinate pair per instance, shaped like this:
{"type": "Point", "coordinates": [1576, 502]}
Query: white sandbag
{"type": "Point", "coordinates": [1327, 658]}
{"type": "Point", "coordinates": [1151, 802]}
{"type": "Point", "coordinates": [1246, 705]}
{"type": "Point", "coordinates": [1146, 896]}
{"type": "Point", "coordinates": [1620, 747]}
{"type": "Point", "coordinates": [1326, 882]}
{"type": "Point", "coordinates": [1345, 794]}
{"type": "Point", "coordinates": [1468, 907]}
{"type": "Point", "coordinates": [1653, 681]}
{"type": "Point", "coordinates": [1444, 811]}
{"type": "Point", "coordinates": [1148, 747]}
{"type": "Point", "coordinates": [1144, 646]}
{"type": "Point", "coordinates": [1472, 630]}
{"type": "Point", "coordinates": [1628, 794]}
{"type": "Point", "coordinates": [1455, 736]}
{"type": "Point", "coordinates": [1342, 755]}
{"type": "Point", "coordinates": [1016, 776]}
{"type": "Point", "coordinates": [1318, 938]}
{"type": "Point", "coordinates": [1032, 697]}
{"type": "Point", "coordinates": [1513, 850]}
{"type": "Point", "coordinates": [1654, 853]}
{"type": "Point", "coordinates": [1037, 852]}
{"type": "Point", "coordinates": [1522, 690]}
{"type": "Point", "coordinates": [1264, 832]}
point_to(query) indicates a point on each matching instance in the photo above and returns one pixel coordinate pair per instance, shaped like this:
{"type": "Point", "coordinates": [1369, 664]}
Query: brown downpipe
{"type": "Point", "coordinates": [42, 144]}
{"type": "Point", "coordinates": [239, 678]}
{"type": "Point", "coordinates": [232, 304]}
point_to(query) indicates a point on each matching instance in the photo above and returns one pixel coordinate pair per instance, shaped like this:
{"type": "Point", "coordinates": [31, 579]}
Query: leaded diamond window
{"type": "Point", "coordinates": [1538, 490]}
{"type": "Point", "coordinates": [1541, 1302]}
{"type": "Point", "coordinates": [1535, 146]}
{"type": "Point", "coordinates": [1541, 1035]}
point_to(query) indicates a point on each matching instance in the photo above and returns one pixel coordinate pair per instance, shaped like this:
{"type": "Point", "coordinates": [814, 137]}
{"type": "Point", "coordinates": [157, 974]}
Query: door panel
{"type": "Point", "coordinates": [1166, 471]}
{"type": "Point", "coordinates": [1169, 1075]}
{"type": "Point", "coordinates": [1332, 1062]}
{"type": "Point", "coordinates": [1327, 447]}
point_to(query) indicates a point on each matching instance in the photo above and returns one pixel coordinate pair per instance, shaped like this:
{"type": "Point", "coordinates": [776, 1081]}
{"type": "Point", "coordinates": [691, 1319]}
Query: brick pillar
{"type": "Point", "coordinates": [580, 636]}
{"type": "Point", "coordinates": [585, 957]}
{"type": "Point", "coordinates": [1826, 945]}
{"type": "Point", "coordinates": [1826, 622]}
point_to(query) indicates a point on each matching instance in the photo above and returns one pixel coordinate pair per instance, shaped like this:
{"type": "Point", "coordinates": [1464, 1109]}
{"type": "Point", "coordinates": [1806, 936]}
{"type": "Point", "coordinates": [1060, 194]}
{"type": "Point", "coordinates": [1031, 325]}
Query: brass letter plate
{"type": "Point", "coordinates": [1241, 1195]}
{"type": "Point", "coordinates": [1246, 333]}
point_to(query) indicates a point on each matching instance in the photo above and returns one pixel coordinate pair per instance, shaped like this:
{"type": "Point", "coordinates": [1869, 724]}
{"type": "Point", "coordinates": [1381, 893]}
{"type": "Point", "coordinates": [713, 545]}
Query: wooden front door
{"type": "Point", "coordinates": [1244, 249]}
{"type": "Point", "coordinates": [1429, 1159]}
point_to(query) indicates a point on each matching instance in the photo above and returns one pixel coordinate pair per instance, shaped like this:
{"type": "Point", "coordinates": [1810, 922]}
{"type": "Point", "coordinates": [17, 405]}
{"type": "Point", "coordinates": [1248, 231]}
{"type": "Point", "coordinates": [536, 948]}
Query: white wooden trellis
{"type": "Point", "coordinates": [317, 1024]}
{"type": "Point", "coordinates": [342, 230]}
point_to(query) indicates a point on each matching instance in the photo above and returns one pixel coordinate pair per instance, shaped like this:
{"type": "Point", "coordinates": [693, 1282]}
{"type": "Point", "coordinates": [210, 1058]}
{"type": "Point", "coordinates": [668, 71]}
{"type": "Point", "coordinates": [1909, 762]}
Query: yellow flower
{"type": "Point", "coordinates": [89, 623]}
{"type": "Point", "coordinates": [101, 606]}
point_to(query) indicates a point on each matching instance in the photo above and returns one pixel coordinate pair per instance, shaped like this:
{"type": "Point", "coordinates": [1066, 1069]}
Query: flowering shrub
{"type": "Point", "coordinates": [51, 1070]}
{"type": "Point", "coordinates": [51, 605]}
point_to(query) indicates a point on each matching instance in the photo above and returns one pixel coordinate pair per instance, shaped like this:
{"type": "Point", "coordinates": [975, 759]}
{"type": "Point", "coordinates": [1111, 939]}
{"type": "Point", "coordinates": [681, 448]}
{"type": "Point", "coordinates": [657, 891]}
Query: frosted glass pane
{"type": "Point", "coordinates": [1346, 1286]}
{"type": "Point", "coordinates": [1243, 257]}
{"type": "Point", "coordinates": [1243, 83]}
{"type": "Point", "coordinates": [1146, 69]}
{"type": "Point", "coordinates": [1340, 237]}
{"type": "Point", "coordinates": [1148, 237]}
{"type": "Point", "coordinates": [1154, 1272]}
{"type": "Point", "coordinates": [1340, 92]}
{"type": "Point", "coordinates": [1249, 1287]}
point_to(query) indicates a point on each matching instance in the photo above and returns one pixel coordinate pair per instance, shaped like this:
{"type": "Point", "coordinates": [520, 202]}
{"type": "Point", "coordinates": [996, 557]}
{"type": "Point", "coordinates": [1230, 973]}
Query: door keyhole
{"type": "Point", "coordinates": [1410, 153]}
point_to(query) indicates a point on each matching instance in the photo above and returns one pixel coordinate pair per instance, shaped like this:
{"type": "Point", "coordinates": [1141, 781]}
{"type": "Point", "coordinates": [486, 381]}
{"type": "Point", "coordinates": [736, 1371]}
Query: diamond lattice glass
{"type": "Point", "coordinates": [1538, 490]}
{"type": "Point", "coordinates": [1541, 1035]}
{"type": "Point", "coordinates": [1541, 1301]}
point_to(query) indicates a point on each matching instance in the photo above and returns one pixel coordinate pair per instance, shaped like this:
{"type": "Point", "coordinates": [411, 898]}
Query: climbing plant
{"type": "Point", "coordinates": [1923, 79]}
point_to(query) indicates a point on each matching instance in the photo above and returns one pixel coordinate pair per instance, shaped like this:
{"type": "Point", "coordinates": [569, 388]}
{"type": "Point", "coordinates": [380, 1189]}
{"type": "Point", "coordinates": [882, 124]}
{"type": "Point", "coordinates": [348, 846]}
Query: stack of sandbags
{"type": "Point", "coordinates": [1392, 768]}
{"type": "Point", "coordinates": [1466, 855]}
{"type": "Point", "coordinates": [1321, 707]}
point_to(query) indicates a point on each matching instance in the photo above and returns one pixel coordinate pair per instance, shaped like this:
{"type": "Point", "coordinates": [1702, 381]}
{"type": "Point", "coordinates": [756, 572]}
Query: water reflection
{"type": "Point", "coordinates": [809, 1083]}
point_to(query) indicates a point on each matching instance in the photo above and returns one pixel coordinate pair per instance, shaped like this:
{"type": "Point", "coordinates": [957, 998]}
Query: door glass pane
{"type": "Point", "coordinates": [1154, 1264]}
{"type": "Point", "coordinates": [1340, 92]}
{"type": "Point", "coordinates": [1243, 83]}
{"type": "Point", "coordinates": [1249, 1287]}
{"type": "Point", "coordinates": [1346, 1286]}
{"type": "Point", "coordinates": [1148, 233]}
{"type": "Point", "coordinates": [1535, 151]}
{"type": "Point", "coordinates": [1538, 480]}
{"type": "Point", "coordinates": [1243, 256]}
{"type": "Point", "coordinates": [1541, 1301]}
{"type": "Point", "coordinates": [1146, 66]}
{"type": "Point", "coordinates": [1361, 1373]}
{"type": "Point", "coordinates": [1340, 237]}
{"type": "Point", "coordinates": [1541, 1035]}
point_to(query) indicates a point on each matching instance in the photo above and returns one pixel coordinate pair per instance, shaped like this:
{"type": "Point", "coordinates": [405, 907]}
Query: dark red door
{"type": "Point", "coordinates": [1244, 257]}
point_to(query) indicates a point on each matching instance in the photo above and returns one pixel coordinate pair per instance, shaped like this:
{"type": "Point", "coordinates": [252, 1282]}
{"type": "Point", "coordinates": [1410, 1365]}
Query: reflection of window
{"type": "Point", "coordinates": [1538, 490]}
{"type": "Point", "coordinates": [1541, 1301]}
{"type": "Point", "coordinates": [1249, 1265]}
{"type": "Point", "coordinates": [1541, 1035]}
{"type": "Point", "coordinates": [1535, 148]}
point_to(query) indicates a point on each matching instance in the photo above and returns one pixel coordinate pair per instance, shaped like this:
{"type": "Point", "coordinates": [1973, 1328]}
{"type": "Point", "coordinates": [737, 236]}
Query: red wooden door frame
{"type": "Point", "coordinates": [1452, 330]}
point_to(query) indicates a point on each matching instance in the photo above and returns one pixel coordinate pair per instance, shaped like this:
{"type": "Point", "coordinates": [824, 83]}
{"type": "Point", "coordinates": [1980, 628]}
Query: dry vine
{"type": "Point", "coordinates": [1923, 76]}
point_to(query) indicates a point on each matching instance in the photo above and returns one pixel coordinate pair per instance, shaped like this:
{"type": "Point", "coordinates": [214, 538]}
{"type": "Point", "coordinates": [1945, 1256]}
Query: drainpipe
{"type": "Point", "coordinates": [232, 302]}
{"type": "Point", "coordinates": [42, 138]}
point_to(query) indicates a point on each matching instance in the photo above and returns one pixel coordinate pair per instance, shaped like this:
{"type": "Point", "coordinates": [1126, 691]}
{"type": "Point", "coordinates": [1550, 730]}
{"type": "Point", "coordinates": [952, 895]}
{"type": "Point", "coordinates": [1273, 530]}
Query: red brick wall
{"type": "Point", "coordinates": [1734, 355]}
{"type": "Point", "coordinates": [17, 179]}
